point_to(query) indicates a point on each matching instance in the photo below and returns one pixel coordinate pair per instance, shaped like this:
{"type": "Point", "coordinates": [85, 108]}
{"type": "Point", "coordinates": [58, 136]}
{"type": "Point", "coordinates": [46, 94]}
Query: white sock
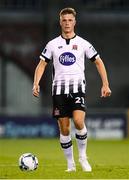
{"type": "Point", "coordinates": [81, 138]}
{"type": "Point", "coordinates": [67, 147]}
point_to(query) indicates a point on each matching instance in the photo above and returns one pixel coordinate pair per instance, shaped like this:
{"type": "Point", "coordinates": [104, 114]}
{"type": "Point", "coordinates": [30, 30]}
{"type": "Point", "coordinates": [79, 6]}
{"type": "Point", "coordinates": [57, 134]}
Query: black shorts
{"type": "Point", "coordinates": [65, 104]}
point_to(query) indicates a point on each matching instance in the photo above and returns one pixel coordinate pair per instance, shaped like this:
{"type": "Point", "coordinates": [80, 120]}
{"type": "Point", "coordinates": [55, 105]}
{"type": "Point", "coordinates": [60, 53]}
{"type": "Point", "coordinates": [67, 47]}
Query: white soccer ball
{"type": "Point", "coordinates": [28, 162]}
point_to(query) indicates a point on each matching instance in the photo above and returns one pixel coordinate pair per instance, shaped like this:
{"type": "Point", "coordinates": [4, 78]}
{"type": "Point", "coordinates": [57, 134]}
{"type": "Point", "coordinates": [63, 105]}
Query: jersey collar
{"type": "Point", "coordinates": [68, 39]}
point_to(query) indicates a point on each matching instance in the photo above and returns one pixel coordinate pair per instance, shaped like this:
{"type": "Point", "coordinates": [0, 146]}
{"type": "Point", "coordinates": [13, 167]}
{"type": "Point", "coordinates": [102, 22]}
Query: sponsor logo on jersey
{"type": "Point", "coordinates": [67, 59]}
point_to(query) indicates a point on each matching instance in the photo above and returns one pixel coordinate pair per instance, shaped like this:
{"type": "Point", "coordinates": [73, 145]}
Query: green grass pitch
{"type": "Point", "coordinates": [109, 159]}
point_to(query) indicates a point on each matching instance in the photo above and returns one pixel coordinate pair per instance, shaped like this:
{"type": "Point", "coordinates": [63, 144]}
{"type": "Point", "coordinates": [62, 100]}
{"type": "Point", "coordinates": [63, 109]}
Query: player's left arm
{"type": "Point", "coordinates": [105, 90]}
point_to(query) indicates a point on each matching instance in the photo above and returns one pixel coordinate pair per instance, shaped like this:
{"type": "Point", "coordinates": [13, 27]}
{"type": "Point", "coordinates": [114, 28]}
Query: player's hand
{"type": "Point", "coordinates": [36, 90]}
{"type": "Point", "coordinates": [105, 91]}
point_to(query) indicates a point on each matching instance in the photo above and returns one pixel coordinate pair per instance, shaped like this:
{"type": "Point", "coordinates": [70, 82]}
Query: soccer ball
{"type": "Point", "coordinates": [28, 162]}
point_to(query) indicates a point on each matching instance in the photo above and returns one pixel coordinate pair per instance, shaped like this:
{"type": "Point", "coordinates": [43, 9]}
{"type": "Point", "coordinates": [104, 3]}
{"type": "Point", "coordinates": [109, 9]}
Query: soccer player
{"type": "Point", "coordinates": [67, 52]}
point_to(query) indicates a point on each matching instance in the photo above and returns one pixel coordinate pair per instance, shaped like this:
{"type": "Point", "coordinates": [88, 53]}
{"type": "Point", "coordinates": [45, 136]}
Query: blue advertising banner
{"type": "Point", "coordinates": [99, 125]}
{"type": "Point", "coordinates": [107, 125]}
{"type": "Point", "coordinates": [28, 127]}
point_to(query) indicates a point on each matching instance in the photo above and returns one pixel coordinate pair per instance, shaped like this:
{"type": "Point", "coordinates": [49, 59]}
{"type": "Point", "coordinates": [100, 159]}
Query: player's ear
{"type": "Point", "coordinates": [75, 22]}
{"type": "Point", "coordinates": [60, 21]}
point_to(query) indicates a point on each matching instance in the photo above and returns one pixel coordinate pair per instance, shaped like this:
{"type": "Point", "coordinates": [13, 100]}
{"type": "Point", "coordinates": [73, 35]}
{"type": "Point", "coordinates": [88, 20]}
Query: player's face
{"type": "Point", "coordinates": [67, 23]}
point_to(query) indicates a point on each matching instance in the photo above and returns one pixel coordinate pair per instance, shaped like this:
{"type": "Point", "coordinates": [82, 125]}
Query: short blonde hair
{"type": "Point", "coordinates": [68, 10]}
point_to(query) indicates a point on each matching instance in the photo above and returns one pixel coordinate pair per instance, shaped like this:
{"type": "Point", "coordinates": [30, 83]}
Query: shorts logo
{"type": "Point", "coordinates": [67, 59]}
{"type": "Point", "coordinates": [56, 112]}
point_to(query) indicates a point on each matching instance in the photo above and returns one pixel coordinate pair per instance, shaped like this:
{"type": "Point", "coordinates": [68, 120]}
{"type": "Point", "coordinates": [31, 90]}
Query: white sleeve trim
{"type": "Point", "coordinates": [97, 56]}
{"type": "Point", "coordinates": [42, 58]}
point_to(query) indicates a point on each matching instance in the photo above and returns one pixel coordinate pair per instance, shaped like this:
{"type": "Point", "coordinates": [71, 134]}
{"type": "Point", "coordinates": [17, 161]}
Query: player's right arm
{"type": "Point", "coordinates": [37, 77]}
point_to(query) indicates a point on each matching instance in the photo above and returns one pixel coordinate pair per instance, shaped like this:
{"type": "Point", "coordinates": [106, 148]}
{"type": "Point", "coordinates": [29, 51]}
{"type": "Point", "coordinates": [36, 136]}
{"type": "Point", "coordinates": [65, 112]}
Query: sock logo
{"type": "Point", "coordinates": [81, 137]}
{"type": "Point", "coordinates": [66, 145]}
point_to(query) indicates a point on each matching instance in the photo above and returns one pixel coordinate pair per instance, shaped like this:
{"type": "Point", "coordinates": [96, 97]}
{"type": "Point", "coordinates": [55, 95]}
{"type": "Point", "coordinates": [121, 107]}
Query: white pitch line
{"type": "Point", "coordinates": [41, 165]}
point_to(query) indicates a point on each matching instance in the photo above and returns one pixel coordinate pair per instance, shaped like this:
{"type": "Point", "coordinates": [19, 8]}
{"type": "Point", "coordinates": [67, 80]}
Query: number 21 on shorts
{"type": "Point", "coordinates": [79, 100]}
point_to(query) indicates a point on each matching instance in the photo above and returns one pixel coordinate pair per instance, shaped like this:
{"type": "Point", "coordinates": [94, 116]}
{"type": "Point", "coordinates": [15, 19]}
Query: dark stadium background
{"type": "Point", "coordinates": [25, 27]}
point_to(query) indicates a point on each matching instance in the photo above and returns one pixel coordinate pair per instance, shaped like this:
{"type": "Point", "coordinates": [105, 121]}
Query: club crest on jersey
{"type": "Point", "coordinates": [74, 47]}
{"type": "Point", "coordinates": [67, 59]}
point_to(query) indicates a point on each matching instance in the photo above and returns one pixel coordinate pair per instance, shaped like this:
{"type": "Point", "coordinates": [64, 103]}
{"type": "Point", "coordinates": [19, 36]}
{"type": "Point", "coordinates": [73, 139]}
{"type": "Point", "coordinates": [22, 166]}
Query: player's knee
{"type": "Point", "coordinates": [65, 131]}
{"type": "Point", "coordinates": [79, 123]}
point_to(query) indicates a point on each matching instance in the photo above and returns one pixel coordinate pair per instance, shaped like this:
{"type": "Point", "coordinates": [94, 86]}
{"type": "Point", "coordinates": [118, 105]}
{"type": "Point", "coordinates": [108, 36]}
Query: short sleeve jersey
{"type": "Point", "coordinates": [68, 57]}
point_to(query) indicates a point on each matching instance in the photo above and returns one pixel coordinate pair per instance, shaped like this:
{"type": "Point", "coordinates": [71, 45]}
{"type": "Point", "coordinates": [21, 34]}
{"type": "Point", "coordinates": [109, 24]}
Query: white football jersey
{"type": "Point", "coordinates": [68, 56]}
